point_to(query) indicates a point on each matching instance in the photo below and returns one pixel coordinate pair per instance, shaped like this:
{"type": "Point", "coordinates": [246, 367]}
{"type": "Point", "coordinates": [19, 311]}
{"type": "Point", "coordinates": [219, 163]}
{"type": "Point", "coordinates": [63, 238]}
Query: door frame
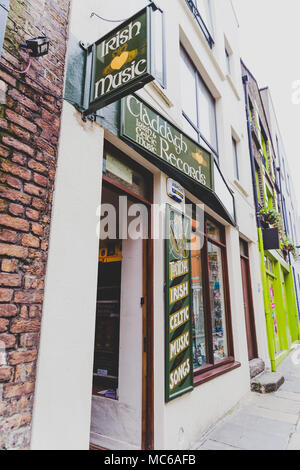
{"type": "Point", "coordinates": [147, 424]}
{"type": "Point", "coordinates": [245, 258]}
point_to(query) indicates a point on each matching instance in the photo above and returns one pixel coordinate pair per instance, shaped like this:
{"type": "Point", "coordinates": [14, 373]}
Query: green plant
{"type": "Point", "coordinates": [270, 216]}
{"type": "Point", "coordinates": [289, 246]}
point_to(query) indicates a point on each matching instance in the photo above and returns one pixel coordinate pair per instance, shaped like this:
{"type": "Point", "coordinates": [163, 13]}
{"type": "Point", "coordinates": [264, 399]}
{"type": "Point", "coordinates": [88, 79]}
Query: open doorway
{"type": "Point", "coordinates": [122, 378]}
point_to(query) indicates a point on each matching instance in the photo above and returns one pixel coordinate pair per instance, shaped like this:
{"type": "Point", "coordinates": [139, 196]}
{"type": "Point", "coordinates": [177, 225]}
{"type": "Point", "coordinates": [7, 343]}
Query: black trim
{"type": "Point", "coordinates": [201, 23]}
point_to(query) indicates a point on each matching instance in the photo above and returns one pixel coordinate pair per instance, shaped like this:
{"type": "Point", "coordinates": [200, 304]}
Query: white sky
{"type": "Point", "coordinates": [270, 48]}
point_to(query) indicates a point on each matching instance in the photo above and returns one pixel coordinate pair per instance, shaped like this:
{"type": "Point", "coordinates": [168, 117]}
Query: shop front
{"type": "Point", "coordinates": [280, 306]}
{"type": "Point", "coordinates": [170, 271]}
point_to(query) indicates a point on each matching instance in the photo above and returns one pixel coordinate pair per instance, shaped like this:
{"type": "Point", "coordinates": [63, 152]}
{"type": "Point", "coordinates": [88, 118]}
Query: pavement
{"type": "Point", "coordinates": [262, 422]}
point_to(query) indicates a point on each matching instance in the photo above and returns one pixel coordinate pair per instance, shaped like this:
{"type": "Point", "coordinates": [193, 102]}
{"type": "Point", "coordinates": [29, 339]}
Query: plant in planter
{"type": "Point", "coordinates": [289, 246]}
{"type": "Point", "coordinates": [270, 216]}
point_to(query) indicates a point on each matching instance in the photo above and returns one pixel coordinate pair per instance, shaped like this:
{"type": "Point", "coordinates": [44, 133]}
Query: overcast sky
{"type": "Point", "coordinates": [270, 47]}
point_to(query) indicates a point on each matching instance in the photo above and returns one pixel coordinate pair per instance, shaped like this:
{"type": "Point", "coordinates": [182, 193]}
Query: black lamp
{"type": "Point", "coordinates": [38, 46]}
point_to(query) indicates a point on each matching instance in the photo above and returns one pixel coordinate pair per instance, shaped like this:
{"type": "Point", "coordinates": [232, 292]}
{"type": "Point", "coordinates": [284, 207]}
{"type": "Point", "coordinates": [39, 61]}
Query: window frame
{"type": "Point", "coordinates": [236, 158]}
{"type": "Point", "coordinates": [212, 368]}
{"type": "Point", "coordinates": [208, 34]}
{"type": "Point", "coordinates": [196, 126]}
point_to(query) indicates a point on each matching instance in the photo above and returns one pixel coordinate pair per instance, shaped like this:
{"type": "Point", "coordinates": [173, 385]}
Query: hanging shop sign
{"type": "Point", "coordinates": [150, 131]}
{"type": "Point", "coordinates": [122, 61]}
{"type": "Point", "coordinates": [179, 352]}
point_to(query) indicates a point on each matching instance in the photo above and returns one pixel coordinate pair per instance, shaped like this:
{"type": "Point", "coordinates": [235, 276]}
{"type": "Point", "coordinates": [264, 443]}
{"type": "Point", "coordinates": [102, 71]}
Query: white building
{"type": "Point", "coordinates": [112, 391]}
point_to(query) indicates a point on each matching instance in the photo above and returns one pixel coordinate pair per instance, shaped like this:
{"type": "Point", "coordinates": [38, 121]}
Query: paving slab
{"type": "Point", "coordinates": [265, 425]}
{"type": "Point", "coordinates": [287, 395]}
{"type": "Point", "coordinates": [291, 385]}
{"type": "Point", "coordinates": [294, 443]}
{"type": "Point", "coordinates": [277, 404]}
{"type": "Point", "coordinates": [271, 414]}
{"type": "Point", "coordinates": [214, 445]}
{"type": "Point", "coordinates": [248, 438]}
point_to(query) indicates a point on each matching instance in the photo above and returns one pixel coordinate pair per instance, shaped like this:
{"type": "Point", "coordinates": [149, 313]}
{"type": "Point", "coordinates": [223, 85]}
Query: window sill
{"type": "Point", "coordinates": [214, 373]}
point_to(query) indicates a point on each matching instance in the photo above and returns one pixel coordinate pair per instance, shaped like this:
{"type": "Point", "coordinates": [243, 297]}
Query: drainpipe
{"type": "Point", "coordinates": [245, 82]}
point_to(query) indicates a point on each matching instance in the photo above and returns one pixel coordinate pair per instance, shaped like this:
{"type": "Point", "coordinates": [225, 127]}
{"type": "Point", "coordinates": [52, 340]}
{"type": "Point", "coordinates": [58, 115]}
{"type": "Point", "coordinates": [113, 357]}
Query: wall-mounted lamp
{"type": "Point", "coordinates": [38, 46]}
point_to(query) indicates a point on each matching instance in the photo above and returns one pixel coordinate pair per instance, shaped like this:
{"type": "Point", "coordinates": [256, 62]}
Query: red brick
{"type": "Point", "coordinates": [19, 132]}
{"type": "Point", "coordinates": [9, 266]}
{"type": "Point", "coordinates": [14, 222]}
{"type": "Point", "coordinates": [15, 196]}
{"type": "Point", "coordinates": [16, 421]}
{"type": "Point", "coordinates": [5, 295]}
{"type": "Point", "coordinates": [35, 190]}
{"type": "Point", "coordinates": [3, 124]}
{"type": "Point", "coordinates": [29, 340]}
{"type": "Point", "coordinates": [20, 357]}
{"type": "Point", "coordinates": [5, 374]}
{"type": "Point", "coordinates": [36, 166]}
{"type": "Point", "coordinates": [16, 144]}
{"type": "Point", "coordinates": [8, 340]}
{"type": "Point", "coordinates": [32, 214]}
{"type": "Point", "coordinates": [10, 280]}
{"type": "Point", "coordinates": [25, 297]}
{"type": "Point", "coordinates": [13, 250]}
{"type": "Point", "coordinates": [23, 100]}
{"type": "Point", "coordinates": [25, 326]}
{"type": "Point", "coordinates": [14, 182]}
{"type": "Point", "coordinates": [19, 158]}
{"type": "Point", "coordinates": [16, 170]}
{"type": "Point", "coordinates": [8, 236]}
{"type": "Point", "coordinates": [38, 204]}
{"type": "Point", "coordinates": [8, 310]}
{"type": "Point", "coordinates": [17, 390]}
{"type": "Point", "coordinates": [16, 209]}
{"type": "Point", "coordinates": [3, 325]}
{"type": "Point", "coordinates": [37, 229]}
{"type": "Point", "coordinates": [39, 179]}
{"type": "Point", "coordinates": [18, 119]}
{"type": "Point", "coordinates": [30, 241]}
{"type": "Point", "coordinates": [4, 151]}
{"type": "Point", "coordinates": [7, 78]}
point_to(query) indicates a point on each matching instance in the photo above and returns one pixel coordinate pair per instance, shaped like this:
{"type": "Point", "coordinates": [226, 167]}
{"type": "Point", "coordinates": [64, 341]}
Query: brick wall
{"type": "Point", "coordinates": [30, 108]}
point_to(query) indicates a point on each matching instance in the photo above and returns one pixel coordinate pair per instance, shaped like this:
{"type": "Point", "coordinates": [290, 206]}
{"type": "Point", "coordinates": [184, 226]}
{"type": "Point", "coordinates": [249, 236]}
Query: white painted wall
{"type": "Point", "coordinates": [118, 424]}
{"type": "Point", "coordinates": [62, 407]}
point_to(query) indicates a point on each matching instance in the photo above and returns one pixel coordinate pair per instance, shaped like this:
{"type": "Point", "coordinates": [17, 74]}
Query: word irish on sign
{"type": "Point", "coordinates": [179, 348]}
{"type": "Point", "coordinates": [121, 61]}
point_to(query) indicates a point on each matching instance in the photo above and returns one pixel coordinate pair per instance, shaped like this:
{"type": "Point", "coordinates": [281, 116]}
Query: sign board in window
{"type": "Point", "coordinates": [150, 131]}
{"type": "Point", "coordinates": [123, 61]}
{"type": "Point", "coordinates": [179, 352]}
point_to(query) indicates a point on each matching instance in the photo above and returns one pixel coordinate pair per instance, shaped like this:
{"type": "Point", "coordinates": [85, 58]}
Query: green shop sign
{"type": "Point", "coordinates": [122, 61]}
{"type": "Point", "coordinates": [179, 352]}
{"type": "Point", "coordinates": [147, 129]}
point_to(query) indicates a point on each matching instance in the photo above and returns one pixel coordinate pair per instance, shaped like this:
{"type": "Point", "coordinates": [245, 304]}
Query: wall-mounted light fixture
{"type": "Point", "coordinates": [38, 46]}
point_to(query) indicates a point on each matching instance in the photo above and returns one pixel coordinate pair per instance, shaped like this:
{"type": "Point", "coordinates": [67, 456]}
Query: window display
{"type": "Point", "coordinates": [217, 302]}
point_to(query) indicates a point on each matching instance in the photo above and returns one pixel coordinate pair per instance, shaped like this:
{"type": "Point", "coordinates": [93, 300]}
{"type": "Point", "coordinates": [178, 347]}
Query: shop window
{"type": "Point", "coordinates": [212, 336]}
{"type": "Point", "coordinates": [217, 302]}
{"type": "Point", "coordinates": [198, 107]}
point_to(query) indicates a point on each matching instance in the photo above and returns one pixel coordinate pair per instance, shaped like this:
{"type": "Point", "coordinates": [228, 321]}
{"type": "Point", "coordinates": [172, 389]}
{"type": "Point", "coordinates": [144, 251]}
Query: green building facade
{"type": "Point", "coordinates": [276, 250]}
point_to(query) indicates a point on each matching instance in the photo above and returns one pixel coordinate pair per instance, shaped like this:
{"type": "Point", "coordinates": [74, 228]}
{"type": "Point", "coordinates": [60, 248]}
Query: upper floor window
{"type": "Point", "coordinates": [228, 62]}
{"type": "Point", "coordinates": [235, 159]}
{"type": "Point", "coordinates": [198, 107]}
{"type": "Point", "coordinates": [201, 10]}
